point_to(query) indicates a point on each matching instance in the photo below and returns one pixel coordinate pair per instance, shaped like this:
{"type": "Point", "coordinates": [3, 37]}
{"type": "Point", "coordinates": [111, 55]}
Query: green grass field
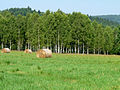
{"type": "Point", "coordinates": [20, 71]}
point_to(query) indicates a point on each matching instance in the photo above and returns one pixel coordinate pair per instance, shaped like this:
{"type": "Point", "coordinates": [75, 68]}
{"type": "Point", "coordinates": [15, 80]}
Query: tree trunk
{"type": "Point", "coordinates": [47, 44]}
{"type": "Point", "coordinates": [38, 46]}
{"type": "Point", "coordinates": [50, 45]}
{"type": "Point", "coordinates": [56, 48]}
{"type": "Point", "coordinates": [94, 51]}
{"type": "Point", "coordinates": [51, 48]}
{"type": "Point", "coordinates": [107, 52]}
{"type": "Point", "coordinates": [78, 47]}
{"type": "Point", "coordinates": [18, 45]}
{"type": "Point", "coordinates": [87, 50]}
{"type": "Point", "coordinates": [83, 49]}
{"type": "Point", "coordinates": [10, 44]}
{"type": "Point", "coordinates": [63, 49]}
{"type": "Point", "coordinates": [72, 50]}
{"type": "Point", "coordinates": [98, 51]}
{"type": "Point", "coordinates": [69, 50]}
{"type": "Point", "coordinates": [33, 48]}
{"type": "Point", "coordinates": [66, 50]}
{"type": "Point", "coordinates": [75, 48]}
{"type": "Point", "coordinates": [19, 40]}
{"type": "Point", "coordinates": [2, 45]}
{"type": "Point", "coordinates": [28, 45]}
{"type": "Point", "coordinates": [58, 44]}
{"type": "Point", "coordinates": [38, 40]}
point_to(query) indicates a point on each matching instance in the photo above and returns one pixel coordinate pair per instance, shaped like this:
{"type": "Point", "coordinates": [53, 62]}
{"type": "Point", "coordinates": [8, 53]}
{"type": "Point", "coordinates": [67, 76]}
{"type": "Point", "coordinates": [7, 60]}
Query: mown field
{"type": "Point", "coordinates": [20, 71]}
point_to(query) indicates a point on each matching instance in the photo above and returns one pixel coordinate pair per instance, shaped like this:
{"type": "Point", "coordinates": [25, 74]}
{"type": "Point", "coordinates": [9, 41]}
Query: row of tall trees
{"type": "Point", "coordinates": [60, 32]}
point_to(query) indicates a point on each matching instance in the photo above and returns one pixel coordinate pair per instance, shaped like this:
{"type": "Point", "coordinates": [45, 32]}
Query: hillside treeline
{"type": "Point", "coordinates": [105, 21]}
{"type": "Point", "coordinates": [114, 18]}
{"type": "Point", "coordinates": [22, 11]}
{"type": "Point", "coordinates": [60, 32]}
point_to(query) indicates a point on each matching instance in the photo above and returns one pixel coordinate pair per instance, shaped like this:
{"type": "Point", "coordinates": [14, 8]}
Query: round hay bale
{"type": "Point", "coordinates": [44, 53]}
{"type": "Point", "coordinates": [5, 50]}
{"type": "Point", "coordinates": [28, 51]}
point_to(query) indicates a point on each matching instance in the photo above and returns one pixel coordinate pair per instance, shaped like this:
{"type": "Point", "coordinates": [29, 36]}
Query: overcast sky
{"type": "Point", "coordinates": [91, 7]}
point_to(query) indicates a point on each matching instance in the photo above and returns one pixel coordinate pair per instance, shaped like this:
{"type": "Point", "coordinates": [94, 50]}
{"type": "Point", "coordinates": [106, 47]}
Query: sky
{"type": "Point", "coordinates": [90, 7]}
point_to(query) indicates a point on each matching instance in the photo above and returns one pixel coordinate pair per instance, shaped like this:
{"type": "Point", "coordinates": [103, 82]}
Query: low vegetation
{"type": "Point", "coordinates": [22, 71]}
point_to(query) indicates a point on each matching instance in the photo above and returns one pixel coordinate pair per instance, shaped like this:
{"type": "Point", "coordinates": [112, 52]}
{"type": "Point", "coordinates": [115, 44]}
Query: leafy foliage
{"type": "Point", "coordinates": [60, 32]}
{"type": "Point", "coordinates": [22, 11]}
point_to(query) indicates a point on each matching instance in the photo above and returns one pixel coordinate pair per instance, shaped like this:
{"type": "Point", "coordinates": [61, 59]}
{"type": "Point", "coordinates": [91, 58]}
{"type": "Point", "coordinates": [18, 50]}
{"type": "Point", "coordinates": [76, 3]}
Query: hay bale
{"type": "Point", "coordinates": [5, 50]}
{"type": "Point", "coordinates": [28, 51]}
{"type": "Point", "coordinates": [44, 53]}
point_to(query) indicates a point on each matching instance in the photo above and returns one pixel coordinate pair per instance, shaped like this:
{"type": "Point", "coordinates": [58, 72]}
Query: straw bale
{"type": "Point", "coordinates": [28, 51]}
{"type": "Point", "coordinates": [44, 53]}
{"type": "Point", "coordinates": [5, 50]}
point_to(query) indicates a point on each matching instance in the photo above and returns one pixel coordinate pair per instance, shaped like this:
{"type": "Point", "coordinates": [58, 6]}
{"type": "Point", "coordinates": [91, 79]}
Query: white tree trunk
{"type": "Point", "coordinates": [10, 44]}
{"type": "Point", "coordinates": [66, 50]}
{"type": "Point", "coordinates": [83, 49]}
{"type": "Point", "coordinates": [2, 45]}
{"type": "Point", "coordinates": [51, 48]}
{"type": "Point", "coordinates": [38, 46]}
{"type": "Point", "coordinates": [75, 48]}
{"type": "Point", "coordinates": [61, 48]}
{"type": "Point", "coordinates": [19, 40]}
{"type": "Point", "coordinates": [98, 51]}
{"type": "Point", "coordinates": [25, 46]}
{"type": "Point", "coordinates": [28, 45]}
{"type": "Point", "coordinates": [78, 47]}
{"type": "Point", "coordinates": [94, 51]}
{"type": "Point", "coordinates": [18, 45]}
{"type": "Point", "coordinates": [56, 48]}
{"type": "Point", "coordinates": [58, 44]}
{"type": "Point", "coordinates": [72, 50]}
{"type": "Point", "coordinates": [38, 40]}
{"type": "Point", "coordinates": [107, 52]}
{"type": "Point", "coordinates": [50, 45]}
{"type": "Point", "coordinates": [47, 44]}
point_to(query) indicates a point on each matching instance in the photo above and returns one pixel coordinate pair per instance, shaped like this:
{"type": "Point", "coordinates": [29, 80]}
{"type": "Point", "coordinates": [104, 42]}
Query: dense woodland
{"type": "Point", "coordinates": [114, 18]}
{"type": "Point", "coordinates": [104, 21]}
{"type": "Point", "coordinates": [58, 31]}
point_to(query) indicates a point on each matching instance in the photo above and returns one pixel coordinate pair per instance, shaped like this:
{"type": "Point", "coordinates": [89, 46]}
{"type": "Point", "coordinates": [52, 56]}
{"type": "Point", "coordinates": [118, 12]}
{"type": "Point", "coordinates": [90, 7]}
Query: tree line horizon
{"type": "Point", "coordinates": [58, 31]}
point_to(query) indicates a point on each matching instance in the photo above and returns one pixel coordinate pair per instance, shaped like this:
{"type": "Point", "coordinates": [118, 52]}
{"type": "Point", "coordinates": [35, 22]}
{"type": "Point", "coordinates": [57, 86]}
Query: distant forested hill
{"type": "Point", "coordinates": [104, 21]}
{"type": "Point", "coordinates": [22, 11]}
{"type": "Point", "coordinates": [109, 20]}
{"type": "Point", "coordinates": [115, 18]}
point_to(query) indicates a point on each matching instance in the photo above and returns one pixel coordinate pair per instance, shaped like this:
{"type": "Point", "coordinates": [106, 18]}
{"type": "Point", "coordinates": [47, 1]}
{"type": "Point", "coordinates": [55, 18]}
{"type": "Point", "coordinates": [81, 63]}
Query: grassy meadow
{"type": "Point", "coordinates": [20, 71]}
